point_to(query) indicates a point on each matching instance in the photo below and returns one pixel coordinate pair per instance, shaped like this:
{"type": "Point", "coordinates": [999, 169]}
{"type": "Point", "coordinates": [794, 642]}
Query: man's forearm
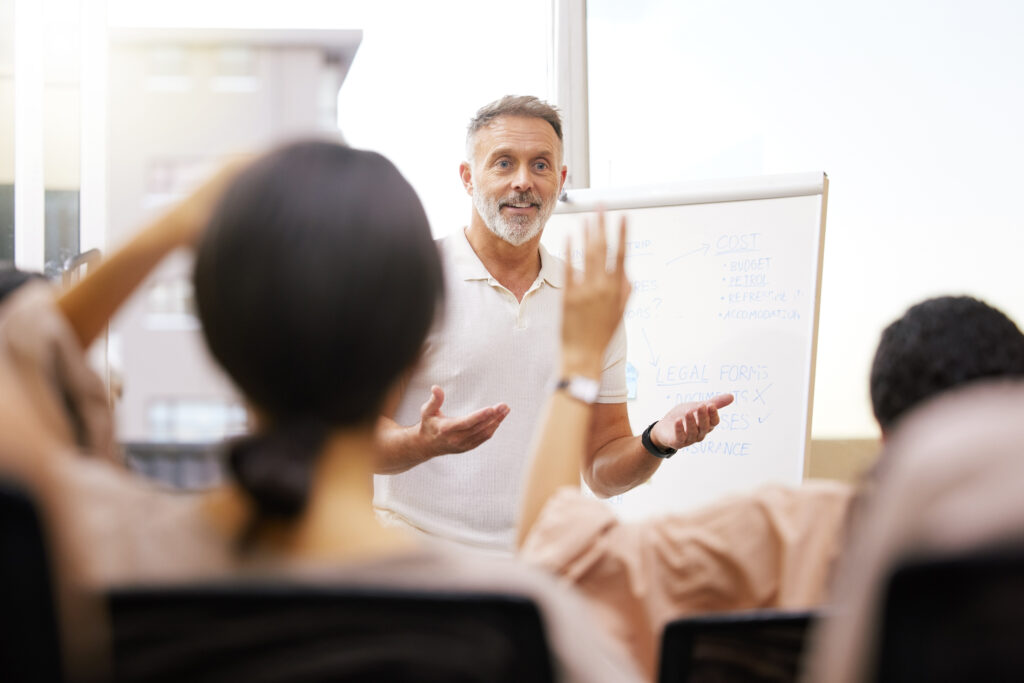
{"type": "Point", "coordinates": [398, 448]}
{"type": "Point", "coordinates": [620, 465]}
{"type": "Point", "coordinates": [619, 461]}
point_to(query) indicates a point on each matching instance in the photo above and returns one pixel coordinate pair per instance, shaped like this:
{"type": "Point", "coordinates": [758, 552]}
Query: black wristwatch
{"type": "Point", "coordinates": [645, 439]}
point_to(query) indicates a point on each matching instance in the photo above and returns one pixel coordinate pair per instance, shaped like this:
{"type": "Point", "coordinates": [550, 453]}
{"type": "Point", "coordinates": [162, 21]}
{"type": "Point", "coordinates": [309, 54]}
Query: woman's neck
{"type": "Point", "coordinates": [338, 521]}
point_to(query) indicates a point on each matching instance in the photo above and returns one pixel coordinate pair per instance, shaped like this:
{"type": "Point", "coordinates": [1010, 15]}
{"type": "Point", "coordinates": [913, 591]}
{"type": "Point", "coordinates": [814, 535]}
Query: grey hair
{"type": "Point", "coordinates": [512, 105]}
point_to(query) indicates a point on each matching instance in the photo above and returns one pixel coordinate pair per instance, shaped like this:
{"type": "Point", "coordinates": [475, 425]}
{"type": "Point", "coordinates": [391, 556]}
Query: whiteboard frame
{"type": "Point", "coordinates": [814, 329]}
{"type": "Point", "coordinates": [699, 192]}
{"type": "Point", "coordinates": [715, 192]}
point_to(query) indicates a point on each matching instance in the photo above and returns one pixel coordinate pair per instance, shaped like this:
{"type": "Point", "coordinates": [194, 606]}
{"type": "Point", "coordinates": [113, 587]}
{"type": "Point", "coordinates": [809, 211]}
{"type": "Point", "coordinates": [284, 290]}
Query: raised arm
{"type": "Point", "coordinates": [592, 308]}
{"type": "Point", "coordinates": [89, 304]}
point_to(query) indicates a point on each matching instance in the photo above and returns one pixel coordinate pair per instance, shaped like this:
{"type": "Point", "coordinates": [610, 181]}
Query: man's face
{"type": "Point", "coordinates": [516, 176]}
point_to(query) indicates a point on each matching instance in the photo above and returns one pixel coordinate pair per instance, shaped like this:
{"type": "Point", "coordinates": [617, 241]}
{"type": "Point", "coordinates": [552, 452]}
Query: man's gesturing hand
{"type": "Point", "coordinates": [442, 434]}
{"type": "Point", "coordinates": [688, 423]}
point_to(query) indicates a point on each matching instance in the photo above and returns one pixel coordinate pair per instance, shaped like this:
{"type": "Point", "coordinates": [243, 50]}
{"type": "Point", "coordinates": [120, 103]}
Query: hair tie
{"type": "Point", "coordinates": [275, 467]}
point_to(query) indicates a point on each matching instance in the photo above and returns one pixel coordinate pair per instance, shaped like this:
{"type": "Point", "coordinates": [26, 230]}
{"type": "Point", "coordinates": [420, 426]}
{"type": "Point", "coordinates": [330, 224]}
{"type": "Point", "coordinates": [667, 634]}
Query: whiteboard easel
{"type": "Point", "coordinates": [726, 289]}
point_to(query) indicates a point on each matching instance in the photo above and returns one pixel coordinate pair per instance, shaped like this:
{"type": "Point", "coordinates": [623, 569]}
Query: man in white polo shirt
{"type": "Point", "coordinates": [492, 355]}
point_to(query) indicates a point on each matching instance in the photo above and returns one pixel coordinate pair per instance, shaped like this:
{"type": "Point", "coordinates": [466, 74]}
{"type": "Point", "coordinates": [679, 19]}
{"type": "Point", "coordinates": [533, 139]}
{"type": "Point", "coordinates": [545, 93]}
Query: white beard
{"type": "Point", "coordinates": [516, 230]}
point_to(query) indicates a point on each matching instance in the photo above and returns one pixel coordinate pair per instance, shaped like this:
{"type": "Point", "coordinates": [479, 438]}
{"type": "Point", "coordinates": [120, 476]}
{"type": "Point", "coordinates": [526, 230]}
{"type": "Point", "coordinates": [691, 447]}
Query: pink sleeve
{"type": "Point", "coordinates": [772, 547]}
{"type": "Point", "coordinates": [565, 533]}
{"type": "Point", "coordinates": [52, 372]}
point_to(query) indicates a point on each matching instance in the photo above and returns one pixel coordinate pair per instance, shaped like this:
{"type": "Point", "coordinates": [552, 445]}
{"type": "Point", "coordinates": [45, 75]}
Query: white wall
{"type": "Point", "coordinates": [913, 108]}
{"type": "Point", "coordinates": [420, 74]}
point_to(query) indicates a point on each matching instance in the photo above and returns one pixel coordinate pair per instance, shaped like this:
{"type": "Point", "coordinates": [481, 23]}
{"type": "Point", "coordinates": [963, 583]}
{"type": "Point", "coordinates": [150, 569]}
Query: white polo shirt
{"type": "Point", "coordinates": [486, 348]}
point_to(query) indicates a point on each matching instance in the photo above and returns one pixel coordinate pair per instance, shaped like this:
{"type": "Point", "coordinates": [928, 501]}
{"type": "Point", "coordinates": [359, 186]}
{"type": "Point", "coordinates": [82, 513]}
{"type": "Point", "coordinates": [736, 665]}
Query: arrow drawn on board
{"type": "Point", "coordinates": [704, 247]}
{"type": "Point", "coordinates": [654, 359]}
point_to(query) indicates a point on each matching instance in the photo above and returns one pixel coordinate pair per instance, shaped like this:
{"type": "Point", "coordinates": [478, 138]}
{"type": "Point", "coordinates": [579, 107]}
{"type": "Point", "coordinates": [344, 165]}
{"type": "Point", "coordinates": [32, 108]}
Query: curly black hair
{"type": "Point", "coordinates": [937, 345]}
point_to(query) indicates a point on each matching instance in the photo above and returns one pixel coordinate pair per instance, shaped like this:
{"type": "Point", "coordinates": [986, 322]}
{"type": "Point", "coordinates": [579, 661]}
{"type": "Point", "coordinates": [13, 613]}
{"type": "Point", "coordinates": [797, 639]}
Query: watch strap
{"type": "Point", "coordinates": [645, 439]}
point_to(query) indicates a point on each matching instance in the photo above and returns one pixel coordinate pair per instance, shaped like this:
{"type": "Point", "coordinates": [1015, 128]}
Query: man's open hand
{"type": "Point", "coordinates": [442, 434]}
{"type": "Point", "coordinates": [688, 423]}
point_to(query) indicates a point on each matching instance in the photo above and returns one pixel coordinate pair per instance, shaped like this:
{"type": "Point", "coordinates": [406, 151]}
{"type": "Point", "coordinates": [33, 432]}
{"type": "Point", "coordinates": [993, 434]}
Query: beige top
{"type": "Point", "coordinates": [583, 651]}
{"type": "Point", "coordinates": [950, 480]}
{"type": "Point", "coordinates": [53, 422]}
{"type": "Point", "coordinates": [772, 547]}
{"type": "Point", "coordinates": [109, 526]}
{"type": "Point", "coordinates": [486, 348]}
{"type": "Point", "coordinates": [40, 354]}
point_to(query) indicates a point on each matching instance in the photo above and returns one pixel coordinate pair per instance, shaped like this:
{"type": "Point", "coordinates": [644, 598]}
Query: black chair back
{"type": "Point", "coordinates": [955, 618]}
{"type": "Point", "coordinates": [299, 632]}
{"type": "Point", "coordinates": [738, 647]}
{"type": "Point", "coordinates": [29, 637]}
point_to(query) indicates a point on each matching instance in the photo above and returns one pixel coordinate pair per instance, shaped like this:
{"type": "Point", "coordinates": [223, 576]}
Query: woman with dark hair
{"type": "Point", "coordinates": [316, 280]}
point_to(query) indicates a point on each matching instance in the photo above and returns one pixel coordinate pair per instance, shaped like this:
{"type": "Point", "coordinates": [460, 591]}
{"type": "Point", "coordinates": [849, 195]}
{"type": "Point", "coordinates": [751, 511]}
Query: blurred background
{"type": "Point", "coordinates": [111, 109]}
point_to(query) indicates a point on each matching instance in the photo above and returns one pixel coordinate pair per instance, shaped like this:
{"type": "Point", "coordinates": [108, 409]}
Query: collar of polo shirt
{"type": "Point", "coordinates": [470, 267]}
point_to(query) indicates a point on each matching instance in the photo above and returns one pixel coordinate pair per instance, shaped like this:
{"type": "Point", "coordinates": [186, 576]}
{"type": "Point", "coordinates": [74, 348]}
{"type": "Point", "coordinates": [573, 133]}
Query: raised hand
{"type": "Point", "coordinates": [593, 301]}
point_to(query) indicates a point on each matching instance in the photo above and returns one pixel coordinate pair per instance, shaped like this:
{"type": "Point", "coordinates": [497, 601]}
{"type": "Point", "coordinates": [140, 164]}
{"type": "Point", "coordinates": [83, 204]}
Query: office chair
{"type": "Point", "coordinates": [735, 647]}
{"type": "Point", "coordinates": [955, 618]}
{"type": "Point", "coordinates": [29, 637]}
{"type": "Point", "coordinates": [271, 632]}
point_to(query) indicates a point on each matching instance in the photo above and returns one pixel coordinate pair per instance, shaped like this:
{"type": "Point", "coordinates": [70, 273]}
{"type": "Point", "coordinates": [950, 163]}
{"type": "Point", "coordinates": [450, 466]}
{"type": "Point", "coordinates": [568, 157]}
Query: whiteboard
{"type": "Point", "coordinates": [726, 278]}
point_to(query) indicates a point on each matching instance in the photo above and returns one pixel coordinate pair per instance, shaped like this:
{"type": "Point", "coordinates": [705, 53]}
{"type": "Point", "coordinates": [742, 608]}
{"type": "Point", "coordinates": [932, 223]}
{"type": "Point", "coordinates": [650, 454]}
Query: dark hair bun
{"type": "Point", "coordinates": [275, 468]}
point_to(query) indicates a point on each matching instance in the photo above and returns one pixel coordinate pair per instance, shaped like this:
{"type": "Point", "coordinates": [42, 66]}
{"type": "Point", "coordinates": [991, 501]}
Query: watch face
{"type": "Point", "coordinates": [582, 388]}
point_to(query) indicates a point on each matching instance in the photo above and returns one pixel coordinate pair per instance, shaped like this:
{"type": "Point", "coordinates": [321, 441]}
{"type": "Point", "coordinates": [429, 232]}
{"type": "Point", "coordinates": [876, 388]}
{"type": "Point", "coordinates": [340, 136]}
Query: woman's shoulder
{"type": "Point", "coordinates": [583, 652]}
